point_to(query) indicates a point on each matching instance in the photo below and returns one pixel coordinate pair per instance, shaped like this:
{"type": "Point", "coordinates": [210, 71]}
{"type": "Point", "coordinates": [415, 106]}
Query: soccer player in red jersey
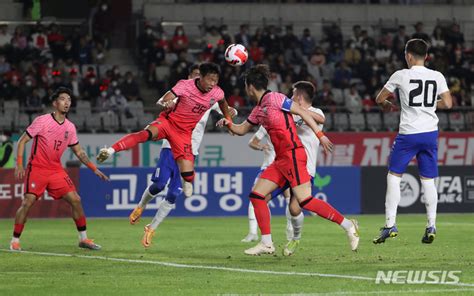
{"type": "Point", "coordinates": [184, 106]}
{"type": "Point", "coordinates": [52, 134]}
{"type": "Point", "coordinates": [274, 112]}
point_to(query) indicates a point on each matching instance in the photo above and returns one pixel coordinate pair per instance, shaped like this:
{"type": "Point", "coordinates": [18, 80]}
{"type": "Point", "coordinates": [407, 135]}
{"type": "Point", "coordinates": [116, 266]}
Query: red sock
{"type": "Point", "coordinates": [18, 229]}
{"type": "Point", "coordinates": [188, 176]}
{"type": "Point", "coordinates": [322, 208]}
{"type": "Point", "coordinates": [131, 140]}
{"type": "Point", "coordinates": [262, 213]}
{"type": "Point", "coordinates": [81, 223]}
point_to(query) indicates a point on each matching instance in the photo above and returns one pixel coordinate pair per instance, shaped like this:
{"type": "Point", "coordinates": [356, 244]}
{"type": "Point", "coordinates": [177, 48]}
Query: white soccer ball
{"type": "Point", "coordinates": [236, 55]}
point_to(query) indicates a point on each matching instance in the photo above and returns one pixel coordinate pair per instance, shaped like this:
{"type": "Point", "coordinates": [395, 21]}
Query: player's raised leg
{"type": "Point", "coordinates": [128, 141]}
{"type": "Point", "coordinates": [20, 220]}
{"type": "Point", "coordinates": [303, 194]}
{"type": "Point", "coordinates": [186, 168]}
{"type": "Point", "coordinates": [73, 199]}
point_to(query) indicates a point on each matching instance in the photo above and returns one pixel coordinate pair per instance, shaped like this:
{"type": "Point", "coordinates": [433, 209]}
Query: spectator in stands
{"type": "Point", "coordinates": [307, 42]}
{"type": "Point", "coordinates": [286, 86]}
{"type": "Point", "coordinates": [353, 101]}
{"type": "Point", "coordinates": [75, 83]}
{"type": "Point", "coordinates": [367, 42]}
{"type": "Point", "coordinates": [342, 75]}
{"type": "Point", "coordinates": [5, 36]}
{"type": "Point", "coordinates": [274, 82]}
{"type": "Point", "coordinates": [130, 87]}
{"type": "Point", "coordinates": [91, 89]}
{"type": "Point", "coordinates": [255, 52]}
{"type": "Point", "coordinates": [179, 69]}
{"type": "Point", "coordinates": [236, 100]}
{"type": "Point", "coordinates": [258, 36]}
{"type": "Point", "coordinates": [368, 103]}
{"type": "Point", "coordinates": [119, 104]}
{"type": "Point", "coordinates": [85, 54]}
{"type": "Point", "coordinates": [334, 36]}
{"type": "Point", "coordinates": [180, 41]}
{"type": "Point", "coordinates": [33, 101]}
{"type": "Point", "coordinates": [383, 53]}
{"type": "Point", "coordinates": [438, 38]}
{"type": "Point", "coordinates": [56, 39]}
{"type": "Point", "coordinates": [39, 40]}
{"type": "Point", "coordinates": [419, 34]}
{"type": "Point", "coordinates": [227, 38]}
{"type": "Point", "coordinates": [271, 41]}
{"type": "Point", "coordinates": [454, 36]}
{"type": "Point", "coordinates": [4, 65]}
{"type": "Point", "coordinates": [336, 55]}
{"type": "Point", "coordinates": [146, 42]}
{"type": "Point", "coordinates": [243, 36]}
{"type": "Point", "coordinates": [116, 75]}
{"type": "Point", "coordinates": [212, 37]}
{"type": "Point", "coordinates": [399, 41]}
{"type": "Point", "coordinates": [352, 55]}
{"type": "Point", "coordinates": [103, 23]}
{"type": "Point", "coordinates": [20, 44]}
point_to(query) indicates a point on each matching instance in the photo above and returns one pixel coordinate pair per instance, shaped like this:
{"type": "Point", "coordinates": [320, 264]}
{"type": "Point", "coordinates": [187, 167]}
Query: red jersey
{"type": "Point", "coordinates": [192, 104]}
{"type": "Point", "coordinates": [51, 139]}
{"type": "Point", "coordinates": [273, 113]}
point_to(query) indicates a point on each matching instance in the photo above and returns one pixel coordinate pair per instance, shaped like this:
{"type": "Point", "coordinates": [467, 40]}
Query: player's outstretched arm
{"type": "Point", "coordinates": [318, 117]}
{"type": "Point", "coordinates": [19, 170]}
{"type": "Point", "coordinates": [235, 129]}
{"type": "Point", "coordinates": [446, 101]}
{"type": "Point", "coordinates": [82, 156]}
{"type": "Point", "coordinates": [382, 100]}
{"type": "Point", "coordinates": [324, 141]}
{"type": "Point", "coordinates": [225, 109]}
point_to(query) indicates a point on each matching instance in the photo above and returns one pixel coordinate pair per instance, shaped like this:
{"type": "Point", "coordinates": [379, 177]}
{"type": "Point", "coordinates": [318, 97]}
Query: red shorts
{"type": "Point", "coordinates": [288, 167]}
{"type": "Point", "coordinates": [180, 141]}
{"type": "Point", "coordinates": [57, 182]}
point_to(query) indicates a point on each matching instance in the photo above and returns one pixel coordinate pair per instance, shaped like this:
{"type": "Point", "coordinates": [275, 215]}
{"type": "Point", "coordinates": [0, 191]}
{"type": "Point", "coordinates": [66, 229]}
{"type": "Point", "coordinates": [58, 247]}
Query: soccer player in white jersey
{"type": "Point", "coordinates": [419, 89]}
{"type": "Point", "coordinates": [167, 173]}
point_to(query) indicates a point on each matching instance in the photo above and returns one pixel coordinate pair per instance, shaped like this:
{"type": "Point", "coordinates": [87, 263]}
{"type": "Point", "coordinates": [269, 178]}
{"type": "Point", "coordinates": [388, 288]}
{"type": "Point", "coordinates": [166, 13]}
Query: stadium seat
{"type": "Point", "coordinates": [341, 122]}
{"type": "Point", "coordinates": [443, 121]}
{"type": "Point", "coordinates": [7, 121]}
{"type": "Point", "coordinates": [22, 121]}
{"type": "Point", "coordinates": [146, 119]}
{"type": "Point", "coordinates": [11, 107]}
{"type": "Point", "coordinates": [328, 123]}
{"type": "Point", "coordinates": [357, 121]}
{"type": "Point", "coordinates": [94, 122]}
{"type": "Point", "coordinates": [391, 120]}
{"type": "Point", "coordinates": [162, 73]}
{"type": "Point", "coordinates": [136, 108]}
{"type": "Point", "coordinates": [374, 121]}
{"type": "Point", "coordinates": [77, 119]}
{"type": "Point", "coordinates": [83, 108]}
{"type": "Point", "coordinates": [110, 121]}
{"type": "Point", "coordinates": [456, 121]}
{"type": "Point", "coordinates": [128, 124]}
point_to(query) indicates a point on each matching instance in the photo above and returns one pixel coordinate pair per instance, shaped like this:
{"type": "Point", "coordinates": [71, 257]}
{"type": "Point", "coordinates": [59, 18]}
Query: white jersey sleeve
{"type": "Point", "coordinates": [268, 155]}
{"type": "Point", "coordinates": [198, 132]}
{"type": "Point", "coordinates": [418, 90]}
{"type": "Point", "coordinates": [165, 144]}
{"type": "Point", "coordinates": [309, 140]}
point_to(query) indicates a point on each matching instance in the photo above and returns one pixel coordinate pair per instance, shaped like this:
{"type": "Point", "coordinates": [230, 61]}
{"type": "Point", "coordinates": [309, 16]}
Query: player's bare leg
{"type": "Point", "coordinates": [186, 167]}
{"type": "Point", "coordinates": [325, 210]}
{"type": "Point", "coordinates": [74, 200]}
{"type": "Point", "coordinates": [20, 220]}
{"type": "Point", "coordinates": [127, 142]}
{"type": "Point", "coordinates": [296, 220]}
{"type": "Point", "coordinates": [262, 188]}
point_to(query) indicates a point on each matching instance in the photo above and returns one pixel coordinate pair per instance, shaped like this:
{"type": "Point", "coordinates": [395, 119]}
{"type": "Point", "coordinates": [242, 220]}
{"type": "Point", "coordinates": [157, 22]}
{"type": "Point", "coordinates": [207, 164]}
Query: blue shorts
{"type": "Point", "coordinates": [279, 190]}
{"type": "Point", "coordinates": [423, 145]}
{"type": "Point", "coordinates": [167, 170]}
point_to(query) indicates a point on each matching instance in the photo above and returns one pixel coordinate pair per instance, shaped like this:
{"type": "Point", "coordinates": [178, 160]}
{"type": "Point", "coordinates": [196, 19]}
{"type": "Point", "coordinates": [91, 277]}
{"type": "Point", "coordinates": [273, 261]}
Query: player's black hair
{"type": "Point", "coordinates": [307, 88]}
{"type": "Point", "coordinates": [209, 68]}
{"type": "Point", "coordinates": [58, 91]}
{"type": "Point", "coordinates": [417, 47]}
{"type": "Point", "coordinates": [192, 68]}
{"type": "Point", "coordinates": [258, 76]}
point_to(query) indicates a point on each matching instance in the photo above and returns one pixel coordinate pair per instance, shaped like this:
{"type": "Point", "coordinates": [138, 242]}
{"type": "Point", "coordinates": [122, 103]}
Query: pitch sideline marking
{"type": "Point", "coordinates": [386, 292]}
{"type": "Point", "coordinates": [243, 270]}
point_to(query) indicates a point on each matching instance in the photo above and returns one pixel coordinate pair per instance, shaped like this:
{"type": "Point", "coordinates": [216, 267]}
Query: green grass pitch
{"type": "Point", "coordinates": [195, 242]}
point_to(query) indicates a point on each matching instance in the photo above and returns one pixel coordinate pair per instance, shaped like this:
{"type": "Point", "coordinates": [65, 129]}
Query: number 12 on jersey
{"type": "Point", "coordinates": [422, 88]}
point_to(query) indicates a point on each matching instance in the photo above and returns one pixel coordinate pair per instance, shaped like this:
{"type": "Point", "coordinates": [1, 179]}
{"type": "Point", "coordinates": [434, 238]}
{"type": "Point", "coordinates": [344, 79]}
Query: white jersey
{"type": "Point", "coordinates": [268, 155]}
{"type": "Point", "coordinates": [198, 131]}
{"type": "Point", "coordinates": [419, 89]}
{"type": "Point", "coordinates": [309, 140]}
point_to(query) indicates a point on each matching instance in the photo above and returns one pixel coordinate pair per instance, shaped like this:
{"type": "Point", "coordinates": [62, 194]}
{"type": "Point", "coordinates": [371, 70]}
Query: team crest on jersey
{"type": "Point", "coordinates": [33, 185]}
{"type": "Point", "coordinates": [211, 102]}
{"type": "Point", "coordinates": [265, 110]}
{"type": "Point", "coordinates": [66, 134]}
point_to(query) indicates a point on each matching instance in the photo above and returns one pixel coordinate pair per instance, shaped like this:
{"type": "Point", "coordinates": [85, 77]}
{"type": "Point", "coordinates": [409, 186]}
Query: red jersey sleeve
{"type": "Point", "coordinates": [253, 119]}
{"type": "Point", "coordinates": [35, 127]}
{"type": "Point", "coordinates": [73, 138]}
{"type": "Point", "coordinates": [179, 89]}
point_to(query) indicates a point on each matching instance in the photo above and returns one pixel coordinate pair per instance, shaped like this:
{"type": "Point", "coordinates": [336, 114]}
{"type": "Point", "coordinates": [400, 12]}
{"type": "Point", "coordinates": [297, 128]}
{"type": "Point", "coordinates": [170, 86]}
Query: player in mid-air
{"type": "Point", "coordinates": [274, 111]}
{"type": "Point", "coordinates": [419, 89]}
{"type": "Point", "coordinates": [52, 134]}
{"type": "Point", "coordinates": [167, 172]}
{"type": "Point", "coordinates": [194, 98]}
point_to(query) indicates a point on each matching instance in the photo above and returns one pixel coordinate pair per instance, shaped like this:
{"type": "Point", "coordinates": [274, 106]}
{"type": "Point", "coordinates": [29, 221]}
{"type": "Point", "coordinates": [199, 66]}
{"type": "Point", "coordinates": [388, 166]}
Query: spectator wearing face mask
{"type": "Point", "coordinates": [180, 41]}
{"type": "Point", "coordinates": [118, 103]}
{"type": "Point", "coordinates": [130, 87]}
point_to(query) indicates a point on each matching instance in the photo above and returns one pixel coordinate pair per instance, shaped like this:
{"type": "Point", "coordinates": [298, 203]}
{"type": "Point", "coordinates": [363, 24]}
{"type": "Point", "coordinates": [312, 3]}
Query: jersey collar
{"type": "Point", "coordinates": [264, 94]}
{"type": "Point", "coordinates": [199, 87]}
{"type": "Point", "coordinates": [60, 123]}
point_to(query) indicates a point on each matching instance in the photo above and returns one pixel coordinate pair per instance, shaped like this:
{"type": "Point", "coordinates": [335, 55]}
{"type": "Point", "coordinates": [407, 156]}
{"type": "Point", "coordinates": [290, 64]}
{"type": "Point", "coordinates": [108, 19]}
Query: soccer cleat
{"type": "Point", "coordinates": [135, 215]}
{"type": "Point", "coordinates": [291, 247]}
{"type": "Point", "coordinates": [289, 231]}
{"type": "Point", "coordinates": [260, 249]}
{"type": "Point", "coordinates": [353, 235]}
{"type": "Point", "coordinates": [147, 236]}
{"type": "Point", "coordinates": [89, 244]}
{"type": "Point", "coordinates": [103, 155]}
{"type": "Point", "coordinates": [251, 237]}
{"type": "Point", "coordinates": [430, 234]}
{"type": "Point", "coordinates": [386, 232]}
{"type": "Point", "coordinates": [187, 188]}
{"type": "Point", "coordinates": [15, 246]}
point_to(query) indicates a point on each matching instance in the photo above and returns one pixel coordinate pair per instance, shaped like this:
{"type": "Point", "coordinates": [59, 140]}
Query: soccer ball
{"type": "Point", "coordinates": [236, 55]}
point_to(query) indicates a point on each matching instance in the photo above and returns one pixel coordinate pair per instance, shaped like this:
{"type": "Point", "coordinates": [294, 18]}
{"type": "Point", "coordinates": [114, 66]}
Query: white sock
{"type": "Point", "coordinates": [289, 225]}
{"type": "Point", "coordinates": [161, 214]}
{"type": "Point", "coordinates": [267, 239]}
{"type": "Point", "coordinates": [297, 223]}
{"type": "Point", "coordinates": [253, 225]}
{"type": "Point", "coordinates": [392, 199]}
{"type": "Point", "coordinates": [15, 239]}
{"type": "Point", "coordinates": [111, 151]}
{"type": "Point", "coordinates": [82, 235]}
{"type": "Point", "coordinates": [146, 198]}
{"type": "Point", "coordinates": [431, 200]}
{"type": "Point", "coordinates": [346, 224]}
